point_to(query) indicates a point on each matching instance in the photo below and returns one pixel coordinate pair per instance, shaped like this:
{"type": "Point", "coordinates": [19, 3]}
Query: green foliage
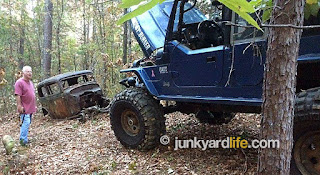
{"type": "Point", "coordinates": [101, 50]}
{"type": "Point", "coordinates": [243, 8]}
{"type": "Point", "coordinates": [140, 10]}
{"type": "Point", "coordinates": [312, 8]}
{"type": "Point", "coordinates": [129, 3]}
{"type": "Point", "coordinates": [267, 9]}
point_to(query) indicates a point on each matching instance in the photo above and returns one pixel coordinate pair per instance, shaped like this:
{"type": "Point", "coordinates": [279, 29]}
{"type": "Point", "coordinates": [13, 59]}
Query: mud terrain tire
{"type": "Point", "coordinates": [137, 119]}
{"type": "Point", "coordinates": [306, 133]}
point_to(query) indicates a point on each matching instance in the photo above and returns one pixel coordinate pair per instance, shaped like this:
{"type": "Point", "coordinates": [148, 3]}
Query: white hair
{"type": "Point", "coordinates": [26, 68]}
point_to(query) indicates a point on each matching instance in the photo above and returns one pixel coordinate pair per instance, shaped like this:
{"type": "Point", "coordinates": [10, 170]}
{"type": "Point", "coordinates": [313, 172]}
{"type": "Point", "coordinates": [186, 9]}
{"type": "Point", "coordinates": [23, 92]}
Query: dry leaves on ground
{"type": "Point", "coordinates": [72, 147]}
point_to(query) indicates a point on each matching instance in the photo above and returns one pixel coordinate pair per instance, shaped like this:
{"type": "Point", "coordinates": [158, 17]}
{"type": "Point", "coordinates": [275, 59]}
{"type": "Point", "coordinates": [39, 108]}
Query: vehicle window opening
{"type": "Point", "coordinates": [53, 89]}
{"type": "Point", "coordinates": [42, 91]}
{"type": "Point", "coordinates": [243, 33]}
{"type": "Point", "coordinates": [196, 30]}
{"type": "Point", "coordinates": [77, 80]}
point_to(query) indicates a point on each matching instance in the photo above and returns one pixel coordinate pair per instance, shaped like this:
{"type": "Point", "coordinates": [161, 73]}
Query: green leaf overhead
{"type": "Point", "coordinates": [267, 9]}
{"type": "Point", "coordinates": [129, 3]}
{"type": "Point", "coordinates": [140, 10]}
{"type": "Point", "coordinates": [242, 8]}
{"type": "Point", "coordinates": [255, 3]}
{"type": "Point", "coordinates": [239, 5]}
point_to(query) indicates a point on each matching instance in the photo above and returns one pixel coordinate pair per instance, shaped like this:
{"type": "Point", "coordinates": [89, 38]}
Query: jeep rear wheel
{"type": "Point", "coordinates": [137, 119]}
{"type": "Point", "coordinates": [306, 148]}
{"type": "Point", "coordinates": [214, 118]}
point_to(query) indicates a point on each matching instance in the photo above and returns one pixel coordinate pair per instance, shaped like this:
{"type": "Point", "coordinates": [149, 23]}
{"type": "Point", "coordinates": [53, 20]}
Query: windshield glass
{"type": "Point", "coordinates": [191, 16]}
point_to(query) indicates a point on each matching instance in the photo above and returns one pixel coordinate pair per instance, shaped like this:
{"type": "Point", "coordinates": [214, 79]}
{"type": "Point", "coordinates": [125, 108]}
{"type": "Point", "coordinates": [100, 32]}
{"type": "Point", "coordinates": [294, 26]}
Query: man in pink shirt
{"type": "Point", "coordinates": [26, 102]}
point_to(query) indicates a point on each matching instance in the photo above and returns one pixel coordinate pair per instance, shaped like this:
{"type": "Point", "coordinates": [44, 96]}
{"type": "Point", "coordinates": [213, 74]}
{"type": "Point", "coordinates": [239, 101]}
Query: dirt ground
{"type": "Point", "coordinates": [72, 147]}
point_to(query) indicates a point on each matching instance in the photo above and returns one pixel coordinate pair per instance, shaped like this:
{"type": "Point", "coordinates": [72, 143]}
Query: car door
{"type": "Point", "coordinates": [249, 53]}
{"type": "Point", "coordinates": [197, 68]}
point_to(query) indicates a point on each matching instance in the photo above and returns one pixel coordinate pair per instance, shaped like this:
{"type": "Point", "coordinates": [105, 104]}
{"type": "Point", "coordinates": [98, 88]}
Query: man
{"type": "Point", "coordinates": [26, 102]}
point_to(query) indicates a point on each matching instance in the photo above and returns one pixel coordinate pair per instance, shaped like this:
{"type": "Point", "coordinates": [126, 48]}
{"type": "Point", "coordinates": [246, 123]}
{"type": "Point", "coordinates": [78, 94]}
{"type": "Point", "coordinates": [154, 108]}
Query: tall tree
{"type": "Point", "coordinates": [125, 40]}
{"type": "Point", "coordinates": [47, 40]}
{"type": "Point", "coordinates": [22, 36]}
{"type": "Point", "coordinates": [59, 15]}
{"type": "Point", "coordinates": [85, 33]}
{"type": "Point", "coordinates": [279, 86]}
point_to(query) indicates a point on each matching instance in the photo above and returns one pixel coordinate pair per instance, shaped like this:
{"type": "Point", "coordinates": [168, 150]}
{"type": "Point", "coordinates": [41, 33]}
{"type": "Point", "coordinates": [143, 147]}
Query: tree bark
{"type": "Point", "coordinates": [130, 43]}
{"type": "Point", "coordinates": [85, 60]}
{"type": "Point", "coordinates": [47, 41]}
{"type": "Point", "coordinates": [58, 34]}
{"type": "Point", "coordinates": [125, 40]}
{"type": "Point", "coordinates": [21, 41]}
{"type": "Point", "coordinates": [279, 86]}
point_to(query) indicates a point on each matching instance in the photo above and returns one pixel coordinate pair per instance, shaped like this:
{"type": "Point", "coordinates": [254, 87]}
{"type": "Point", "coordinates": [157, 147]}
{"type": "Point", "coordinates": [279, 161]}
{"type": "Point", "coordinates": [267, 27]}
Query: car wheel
{"type": "Point", "coordinates": [306, 148]}
{"type": "Point", "coordinates": [137, 119]}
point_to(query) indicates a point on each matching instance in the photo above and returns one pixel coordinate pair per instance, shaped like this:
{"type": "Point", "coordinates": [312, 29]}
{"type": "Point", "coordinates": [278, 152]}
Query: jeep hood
{"type": "Point", "coordinates": [150, 27]}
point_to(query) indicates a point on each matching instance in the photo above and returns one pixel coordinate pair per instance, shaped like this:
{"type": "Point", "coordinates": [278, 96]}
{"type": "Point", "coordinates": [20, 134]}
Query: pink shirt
{"type": "Point", "coordinates": [26, 91]}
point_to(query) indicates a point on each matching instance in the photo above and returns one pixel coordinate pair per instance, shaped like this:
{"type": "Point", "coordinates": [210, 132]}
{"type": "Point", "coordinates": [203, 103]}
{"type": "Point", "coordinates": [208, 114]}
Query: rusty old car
{"type": "Point", "coordinates": [71, 95]}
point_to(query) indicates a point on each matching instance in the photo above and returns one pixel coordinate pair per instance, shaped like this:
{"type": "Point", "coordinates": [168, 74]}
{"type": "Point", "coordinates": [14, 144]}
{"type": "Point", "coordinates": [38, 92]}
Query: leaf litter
{"type": "Point", "coordinates": [72, 147]}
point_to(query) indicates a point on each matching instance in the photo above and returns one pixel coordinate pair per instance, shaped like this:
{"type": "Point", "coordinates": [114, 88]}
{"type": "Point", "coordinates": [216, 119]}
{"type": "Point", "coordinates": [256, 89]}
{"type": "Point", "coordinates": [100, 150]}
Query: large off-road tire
{"type": "Point", "coordinates": [137, 119]}
{"type": "Point", "coordinates": [214, 118]}
{"type": "Point", "coordinates": [306, 134]}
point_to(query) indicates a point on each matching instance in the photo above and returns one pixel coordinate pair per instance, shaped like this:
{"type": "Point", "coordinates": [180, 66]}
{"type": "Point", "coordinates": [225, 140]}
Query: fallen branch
{"type": "Point", "coordinates": [274, 25]}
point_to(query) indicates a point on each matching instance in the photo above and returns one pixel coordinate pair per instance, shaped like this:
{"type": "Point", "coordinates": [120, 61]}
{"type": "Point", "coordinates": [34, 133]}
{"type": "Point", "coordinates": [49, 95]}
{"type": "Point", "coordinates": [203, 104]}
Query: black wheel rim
{"type": "Point", "coordinates": [130, 122]}
{"type": "Point", "coordinates": [307, 153]}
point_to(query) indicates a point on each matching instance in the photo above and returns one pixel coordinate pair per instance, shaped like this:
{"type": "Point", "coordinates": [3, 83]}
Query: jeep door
{"type": "Point", "coordinates": [196, 68]}
{"type": "Point", "coordinates": [249, 53]}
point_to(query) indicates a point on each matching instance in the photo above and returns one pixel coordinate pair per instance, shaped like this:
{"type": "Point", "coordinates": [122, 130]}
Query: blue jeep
{"type": "Point", "coordinates": [212, 69]}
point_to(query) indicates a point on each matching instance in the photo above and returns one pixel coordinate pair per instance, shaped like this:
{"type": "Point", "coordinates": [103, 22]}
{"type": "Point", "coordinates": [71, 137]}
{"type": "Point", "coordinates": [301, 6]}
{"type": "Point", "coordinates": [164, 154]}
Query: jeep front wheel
{"type": "Point", "coordinates": [137, 119]}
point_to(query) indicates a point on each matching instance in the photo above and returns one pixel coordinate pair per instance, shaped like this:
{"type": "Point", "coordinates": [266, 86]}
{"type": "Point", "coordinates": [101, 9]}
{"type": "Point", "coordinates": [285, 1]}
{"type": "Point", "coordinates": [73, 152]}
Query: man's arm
{"type": "Point", "coordinates": [19, 105]}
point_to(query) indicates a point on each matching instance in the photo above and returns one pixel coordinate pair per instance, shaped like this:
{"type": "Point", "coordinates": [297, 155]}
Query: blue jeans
{"type": "Point", "coordinates": [24, 129]}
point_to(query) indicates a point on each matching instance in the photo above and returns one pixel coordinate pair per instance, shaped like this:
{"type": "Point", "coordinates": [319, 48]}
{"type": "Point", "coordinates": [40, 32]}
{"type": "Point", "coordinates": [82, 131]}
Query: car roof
{"type": "Point", "coordinates": [58, 77]}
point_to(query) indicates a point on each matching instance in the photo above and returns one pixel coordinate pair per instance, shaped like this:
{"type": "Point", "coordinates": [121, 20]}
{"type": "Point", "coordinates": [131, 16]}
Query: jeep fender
{"type": "Point", "coordinates": [143, 77]}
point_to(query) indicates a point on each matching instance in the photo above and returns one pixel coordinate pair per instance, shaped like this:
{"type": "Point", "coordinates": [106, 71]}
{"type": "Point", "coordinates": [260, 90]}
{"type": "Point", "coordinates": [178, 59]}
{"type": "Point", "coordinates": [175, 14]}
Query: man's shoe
{"type": "Point", "coordinates": [22, 143]}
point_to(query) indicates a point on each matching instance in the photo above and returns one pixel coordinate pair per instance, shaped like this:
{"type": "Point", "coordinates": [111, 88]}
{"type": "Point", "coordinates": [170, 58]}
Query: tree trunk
{"type": "Point", "coordinates": [125, 40]}
{"type": "Point", "coordinates": [85, 60]}
{"type": "Point", "coordinates": [58, 34]}
{"type": "Point", "coordinates": [47, 41]}
{"type": "Point", "coordinates": [279, 86]}
{"type": "Point", "coordinates": [130, 43]}
{"type": "Point", "coordinates": [22, 38]}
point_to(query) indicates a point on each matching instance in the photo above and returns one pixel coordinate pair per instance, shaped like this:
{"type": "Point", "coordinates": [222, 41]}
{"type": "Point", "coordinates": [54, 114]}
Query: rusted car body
{"type": "Point", "coordinates": [71, 95]}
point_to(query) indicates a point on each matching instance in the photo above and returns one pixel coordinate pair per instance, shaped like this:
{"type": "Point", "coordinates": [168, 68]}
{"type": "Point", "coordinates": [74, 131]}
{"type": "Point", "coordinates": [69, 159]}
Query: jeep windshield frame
{"type": "Point", "coordinates": [178, 11]}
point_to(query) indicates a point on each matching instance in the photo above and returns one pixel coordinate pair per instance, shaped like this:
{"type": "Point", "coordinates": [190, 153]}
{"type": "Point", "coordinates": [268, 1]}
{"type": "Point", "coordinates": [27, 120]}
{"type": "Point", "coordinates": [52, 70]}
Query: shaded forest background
{"type": "Point", "coordinates": [84, 36]}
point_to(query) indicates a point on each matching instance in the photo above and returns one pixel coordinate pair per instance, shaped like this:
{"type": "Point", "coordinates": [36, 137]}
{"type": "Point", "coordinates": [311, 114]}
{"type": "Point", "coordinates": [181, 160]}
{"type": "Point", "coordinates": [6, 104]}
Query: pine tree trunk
{"type": "Point", "coordinates": [279, 86]}
{"type": "Point", "coordinates": [129, 44]}
{"type": "Point", "coordinates": [85, 59]}
{"type": "Point", "coordinates": [22, 37]}
{"type": "Point", "coordinates": [58, 34]}
{"type": "Point", "coordinates": [21, 47]}
{"type": "Point", "coordinates": [47, 41]}
{"type": "Point", "coordinates": [125, 40]}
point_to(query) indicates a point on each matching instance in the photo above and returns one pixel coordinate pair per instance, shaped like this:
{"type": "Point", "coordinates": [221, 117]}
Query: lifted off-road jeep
{"type": "Point", "coordinates": [213, 70]}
